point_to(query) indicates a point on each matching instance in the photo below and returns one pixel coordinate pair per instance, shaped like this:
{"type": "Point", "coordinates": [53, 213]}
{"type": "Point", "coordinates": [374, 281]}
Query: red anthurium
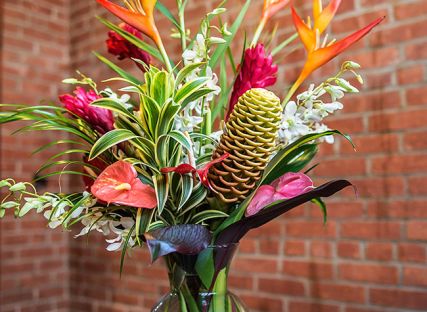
{"type": "Point", "coordinates": [139, 14]}
{"type": "Point", "coordinates": [202, 172]}
{"type": "Point", "coordinates": [319, 53]}
{"type": "Point", "coordinates": [119, 184]}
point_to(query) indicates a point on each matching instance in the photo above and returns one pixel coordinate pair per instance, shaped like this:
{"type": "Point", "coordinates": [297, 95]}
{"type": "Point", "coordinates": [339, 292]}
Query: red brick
{"type": "Point", "coordinates": [415, 141]}
{"type": "Point", "coordinates": [294, 248]}
{"type": "Point", "coordinates": [409, 10]}
{"type": "Point", "coordinates": [311, 307]}
{"type": "Point", "coordinates": [350, 250]}
{"type": "Point", "coordinates": [398, 209]}
{"type": "Point", "coordinates": [262, 303]}
{"type": "Point", "coordinates": [399, 164]}
{"type": "Point", "coordinates": [411, 252]}
{"type": "Point", "coordinates": [416, 96]}
{"type": "Point", "coordinates": [415, 276]}
{"type": "Point", "coordinates": [407, 299]}
{"type": "Point", "coordinates": [371, 230]}
{"type": "Point", "coordinates": [410, 74]}
{"type": "Point", "coordinates": [341, 167]}
{"type": "Point", "coordinates": [373, 273]}
{"type": "Point", "coordinates": [252, 265]}
{"type": "Point", "coordinates": [281, 286]}
{"type": "Point", "coordinates": [379, 251]}
{"type": "Point", "coordinates": [313, 270]}
{"type": "Point", "coordinates": [321, 249]}
{"type": "Point", "coordinates": [397, 121]}
{"type": "Point", "coordinates": [369, 144]}
{"type": "Point", "coordinates": [416, 230]}
{"type": "Point", "coordinates": [338, 292]}
{"type": "Point", "coordinates": [310, 229]}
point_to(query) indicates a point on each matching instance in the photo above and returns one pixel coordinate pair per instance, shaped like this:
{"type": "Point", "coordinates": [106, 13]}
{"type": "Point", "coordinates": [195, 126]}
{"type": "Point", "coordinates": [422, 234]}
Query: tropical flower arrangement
{"type": "Point", "coordinates": [190, 154]}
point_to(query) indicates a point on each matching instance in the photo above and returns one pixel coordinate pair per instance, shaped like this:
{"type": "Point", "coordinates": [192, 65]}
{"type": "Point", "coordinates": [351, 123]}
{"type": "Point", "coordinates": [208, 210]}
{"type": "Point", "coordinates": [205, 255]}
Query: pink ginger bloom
{"type": "Point", "coordinates": [288, 186]}
{"type": "Point", "coordinates": [256, 71]}
{"type": "Point", "coordinates": [100, 119]}
{"type": "Point", "coordinates": [123, 49]}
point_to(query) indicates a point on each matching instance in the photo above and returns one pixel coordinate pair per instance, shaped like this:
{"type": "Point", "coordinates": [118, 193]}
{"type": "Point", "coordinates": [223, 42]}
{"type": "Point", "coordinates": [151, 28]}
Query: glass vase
{"type": "Point", "coordinates": [198, 283]}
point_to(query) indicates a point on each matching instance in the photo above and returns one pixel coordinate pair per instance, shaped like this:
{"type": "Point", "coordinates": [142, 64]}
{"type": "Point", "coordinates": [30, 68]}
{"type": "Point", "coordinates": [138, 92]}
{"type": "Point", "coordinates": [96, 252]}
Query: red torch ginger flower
{"type": "Point", "coordinates": [122, 48]}
{"type": "Point", "coordinates": [321, 52]}
{"type": "Point", "coordinates": [288, 186]}
{"type": "Point", "coordinates": [119, 184]}
{"type": "Point", "coordinates": [202, 173]}
{"type": "Point", "coordinates": [256, 71]}
{"type": "Point", "coordinates": [100, 119]}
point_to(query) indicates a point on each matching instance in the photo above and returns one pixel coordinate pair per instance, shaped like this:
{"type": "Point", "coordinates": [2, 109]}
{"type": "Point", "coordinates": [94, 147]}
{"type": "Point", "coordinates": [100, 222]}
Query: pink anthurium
{"type": "Point", "coordinates": [119, 184]}
{"type": "Point", "coordinates": [288, 186]}
{"type": "Point", "coordinates": [202, 173]}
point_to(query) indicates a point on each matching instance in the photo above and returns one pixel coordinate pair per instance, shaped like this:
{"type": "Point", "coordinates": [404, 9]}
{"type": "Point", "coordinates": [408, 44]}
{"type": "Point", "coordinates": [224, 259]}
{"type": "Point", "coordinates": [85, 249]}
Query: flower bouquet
{"type": "Point", "coordinates": [193, 153]}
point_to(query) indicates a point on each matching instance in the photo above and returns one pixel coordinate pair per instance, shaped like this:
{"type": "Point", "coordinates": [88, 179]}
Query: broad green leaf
{"type": "Point", "coordinates": [205, 267]}
{"type": "Point", "coordinates": [110, 139]}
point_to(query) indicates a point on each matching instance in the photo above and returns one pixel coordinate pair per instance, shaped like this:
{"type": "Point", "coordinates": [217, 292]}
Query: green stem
{"type": "Point", "coordinates": [258, 31]}
{"type": "Point", "coordinates": [165, 56]}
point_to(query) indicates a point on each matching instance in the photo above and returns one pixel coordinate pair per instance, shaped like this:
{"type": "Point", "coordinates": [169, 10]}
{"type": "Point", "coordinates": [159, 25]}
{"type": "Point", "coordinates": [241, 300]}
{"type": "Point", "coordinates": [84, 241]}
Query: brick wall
{"type": "Point", "coordinates": [35, 57]}
{"type": "Point", "coordinates": [370, 257]}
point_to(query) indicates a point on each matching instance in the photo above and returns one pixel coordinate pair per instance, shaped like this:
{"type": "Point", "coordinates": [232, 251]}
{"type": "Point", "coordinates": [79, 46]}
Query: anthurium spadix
{"type": "Point", "coordinates": [319, 51]}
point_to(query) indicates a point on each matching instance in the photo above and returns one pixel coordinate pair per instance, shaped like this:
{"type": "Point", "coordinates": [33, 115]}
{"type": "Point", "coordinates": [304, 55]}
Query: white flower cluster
{"type": "Point", "coordinates": [193, 114]}
{"type": "Point", "coordinates": [306, 115]}
{"type": "Point", "coordinates": [123, 100]}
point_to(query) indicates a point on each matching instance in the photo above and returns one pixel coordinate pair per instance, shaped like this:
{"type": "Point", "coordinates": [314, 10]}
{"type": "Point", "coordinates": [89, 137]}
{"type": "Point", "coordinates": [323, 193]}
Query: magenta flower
{"type": "Point", "coordinates": [256, 71]}
{"type": "Point", "coordinates": [122, 48]}
{"type": "Point", "coordinates": [100, 119]}
{"type": "Point", "coordinates": [288, 186]}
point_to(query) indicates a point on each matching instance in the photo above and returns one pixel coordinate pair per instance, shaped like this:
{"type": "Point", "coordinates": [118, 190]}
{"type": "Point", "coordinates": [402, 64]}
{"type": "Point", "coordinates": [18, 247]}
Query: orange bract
{"type": "Point", "coordinates": [119, 184]}
{"type": "Point", "coordinates": [271, 7]}
{"type": "Point", "coordinates": [320, 53]}
{"type": "Point", "coordinates": [139, 14]}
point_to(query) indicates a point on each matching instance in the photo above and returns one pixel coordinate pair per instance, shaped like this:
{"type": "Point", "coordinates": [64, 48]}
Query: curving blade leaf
{"type": "Point", "coordinates": [233, 233]}
{"type": "Point", "coordinates": [187, 239]}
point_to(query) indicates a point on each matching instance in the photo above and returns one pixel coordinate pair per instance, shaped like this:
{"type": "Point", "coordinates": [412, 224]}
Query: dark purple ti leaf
{"type": "Point", "coordinates": [186, 239]}
{"type": "Point", "coordinates": [234, 232]}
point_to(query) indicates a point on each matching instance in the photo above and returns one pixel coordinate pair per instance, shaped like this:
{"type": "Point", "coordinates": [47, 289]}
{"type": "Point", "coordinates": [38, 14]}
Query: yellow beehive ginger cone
{"type": "Point", "coordinates": [250, 139]}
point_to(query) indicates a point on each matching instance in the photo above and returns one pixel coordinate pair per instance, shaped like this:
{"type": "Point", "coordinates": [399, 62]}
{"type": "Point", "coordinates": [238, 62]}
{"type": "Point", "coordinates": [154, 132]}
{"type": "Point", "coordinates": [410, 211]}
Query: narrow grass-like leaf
{"type": "Point", "coordinates": [161, 185]}
{"type": "Point", "coordinates": [117, 69]}
{"type": "Point", "coordinates": [221, 49]}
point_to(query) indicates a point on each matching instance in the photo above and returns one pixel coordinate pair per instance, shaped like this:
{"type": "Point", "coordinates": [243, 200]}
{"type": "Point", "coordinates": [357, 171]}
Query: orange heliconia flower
{"type": "Point", "coordinates": [119, 184]}
{"type": "Point", "coordinates": [139, 14]}
{"type": "Point", "coordinates": [320, 52]}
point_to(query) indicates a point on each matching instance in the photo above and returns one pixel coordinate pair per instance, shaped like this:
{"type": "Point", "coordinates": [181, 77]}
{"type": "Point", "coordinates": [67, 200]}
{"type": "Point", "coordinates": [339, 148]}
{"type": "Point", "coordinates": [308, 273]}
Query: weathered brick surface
{"type": "Point", "coordinates": [371, 256]}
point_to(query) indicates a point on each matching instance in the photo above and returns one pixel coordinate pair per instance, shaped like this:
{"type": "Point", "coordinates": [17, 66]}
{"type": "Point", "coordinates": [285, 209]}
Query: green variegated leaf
{"type": "Point", "coordinates": [109, 140]}
{"type": "Point", "coordinates": [56, 143]}
{"type": "Point", "coordinates": [161, 185]}
{"type": "Point", "coordinates": [181, 139]}
{"type": "Point", "coordinates": [197, 196]}
{"type": "Point", "coordinates": [165, 11]}
{"type": "Point", "coordinates": [166, 118]}
{"type": "Point", "coordinates": [183, 73]}
{"type": "Point", "coordinates": [207, 215]}
{"type": "Point", "coordinates": [186, 189]}
{"type": "Point", "coordinates": [189, 88]}
{"type": "Point", "coordinates": [196, 95]}
{"type": "Point", "coordinates": [319, 202]}
{"type": "Point", "coordinates": [115, 106]}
